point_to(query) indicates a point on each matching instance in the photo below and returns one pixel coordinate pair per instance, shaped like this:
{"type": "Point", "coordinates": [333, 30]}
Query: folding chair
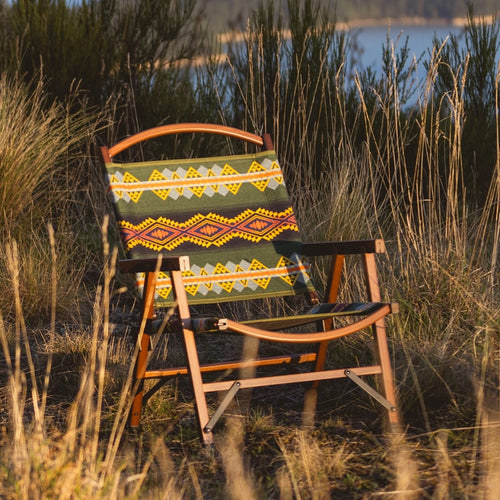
{"type": "Point", "coordinates": [213, 230]}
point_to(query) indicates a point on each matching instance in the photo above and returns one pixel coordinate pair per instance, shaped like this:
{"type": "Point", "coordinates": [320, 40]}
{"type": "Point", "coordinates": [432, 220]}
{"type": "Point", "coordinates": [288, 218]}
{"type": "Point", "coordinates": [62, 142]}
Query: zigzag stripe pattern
{"type": "Point", "coordinates": [211, 230]}
{"type": "Point", "coordinates": [198, 182]}
{"type": "Point", "coordinates": [231, 277]}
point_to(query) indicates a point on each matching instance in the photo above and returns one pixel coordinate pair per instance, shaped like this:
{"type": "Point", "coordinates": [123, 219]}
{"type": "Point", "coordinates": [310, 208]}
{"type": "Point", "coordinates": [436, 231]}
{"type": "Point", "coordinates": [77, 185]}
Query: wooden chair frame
{"type": "Point", "coordinates": [175, 265]}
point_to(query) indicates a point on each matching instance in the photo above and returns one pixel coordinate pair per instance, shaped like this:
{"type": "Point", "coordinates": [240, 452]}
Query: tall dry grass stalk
{"type": "Point", "coordinates": [442, 263]}
{"type": "Point", "coordinates": [44, 460]}
{"type": "Point", "coordinates": [37, 187]}
{"type": "Point", "coordinates": [36, 138]}
{"type": "Point", "coordinates": [442, 266]}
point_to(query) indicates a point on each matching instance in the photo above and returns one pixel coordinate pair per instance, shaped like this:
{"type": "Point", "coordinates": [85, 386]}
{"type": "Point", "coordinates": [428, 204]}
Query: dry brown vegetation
{"type": "Point", "coordinates": [65, 378]}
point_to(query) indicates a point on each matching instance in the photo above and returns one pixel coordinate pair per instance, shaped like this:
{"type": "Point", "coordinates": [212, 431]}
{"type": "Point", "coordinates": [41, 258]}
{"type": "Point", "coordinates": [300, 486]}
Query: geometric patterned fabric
{"type": "Point", "coordinates": [231, 215]}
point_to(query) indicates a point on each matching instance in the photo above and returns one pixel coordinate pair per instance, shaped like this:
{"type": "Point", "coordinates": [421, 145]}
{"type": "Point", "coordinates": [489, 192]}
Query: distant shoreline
{"type": "Point", "coordinates": [456, 22]}
{"type": "Point", "coordinates": [410, 21]}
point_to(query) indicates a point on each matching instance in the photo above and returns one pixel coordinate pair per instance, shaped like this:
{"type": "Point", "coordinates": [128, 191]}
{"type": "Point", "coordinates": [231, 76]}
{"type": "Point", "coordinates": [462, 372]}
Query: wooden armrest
{"type": "Point", "coordinates": [343, 247]}
{"type": "Point", "coordinates": [179, 263]}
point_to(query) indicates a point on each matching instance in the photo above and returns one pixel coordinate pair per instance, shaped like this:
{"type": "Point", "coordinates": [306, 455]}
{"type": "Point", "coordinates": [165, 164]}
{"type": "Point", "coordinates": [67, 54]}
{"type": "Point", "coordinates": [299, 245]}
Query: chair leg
{"type": "Point", "coordinates": [144, 342]}
{"type": "Point", "coordinates": [193, 361]}
{"type": "Point", "coordinates": [140, 369]}
{"type": "Point", "coordinates": [197, 384]}
{"type": "Point", "coordinates": [380, 337]}
{"type": "Point", "coordinates": [311, 396]}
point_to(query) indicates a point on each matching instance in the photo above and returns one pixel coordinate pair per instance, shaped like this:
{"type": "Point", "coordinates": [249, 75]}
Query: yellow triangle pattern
{"type": "Point", "coordinates": [276, 166]}
{"type": "Point", "coordinates": [192, 174]}
{"type": "Point", "coordinates": [196, 284]}
{"type": "Point", "coordinates": [158, 176]}
{"type": "Point", "coordinates": [130, 179]}
{"type": "Point", "coordinates": [176, 176]}
{"type": "Point", "coordinates": [264, 281]}
{"type": "Point", "coordinates": [114, 180]}
{"type": "Point", "coordinates": [262, 184]}
{"type": "Point", "coordinates": [239, 269]}
{"type": "Point", "coordinates": [288, 278]}
{"type": "Point", "coordinates": [228, 170]}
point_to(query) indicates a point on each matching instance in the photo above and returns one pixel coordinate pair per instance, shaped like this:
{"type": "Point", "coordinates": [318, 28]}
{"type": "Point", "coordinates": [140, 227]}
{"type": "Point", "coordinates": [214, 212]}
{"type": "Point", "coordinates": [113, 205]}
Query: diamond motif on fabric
{"type": "Point", "coordinates": [155, 177]}
{"type": "Point", "coordinates": [208, 230]}
{"type": "Point", "coordinates": [230, 277]}
{"type": "Point", "coordinates": [261, 279]}
{"type": "Point", "coordinates": [259, 225]}
{"type": "Point", "coordinates": [290, 277]}
{"type": "Point", "coordinates": [233, 187]}
{"type": "Point", "coordinates": [196, 181]}
{"type": "Point", "coordinates": [197, 189]}
{"type": "Point", "coordinates": [130, 179]}
{"type": "Point", "coordinates": [261, 185]}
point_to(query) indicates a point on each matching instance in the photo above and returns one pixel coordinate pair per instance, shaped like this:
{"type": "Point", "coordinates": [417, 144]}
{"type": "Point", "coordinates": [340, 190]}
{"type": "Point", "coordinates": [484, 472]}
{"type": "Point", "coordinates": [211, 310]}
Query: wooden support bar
{"type": "Point", "coordinates": [291, 379]}
{"type": "Point", "coordinates": [233, 365]}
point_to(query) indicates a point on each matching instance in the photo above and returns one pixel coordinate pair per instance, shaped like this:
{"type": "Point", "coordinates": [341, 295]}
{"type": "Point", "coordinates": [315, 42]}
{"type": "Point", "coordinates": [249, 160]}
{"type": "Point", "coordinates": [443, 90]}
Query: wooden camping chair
{"type": "Point", "coordinates": [212, 230]}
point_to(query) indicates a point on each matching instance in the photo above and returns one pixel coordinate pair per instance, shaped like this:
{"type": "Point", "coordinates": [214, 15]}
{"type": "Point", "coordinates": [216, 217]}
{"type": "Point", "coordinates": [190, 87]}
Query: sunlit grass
{"type": "Point", "coordinates": [64, 392]}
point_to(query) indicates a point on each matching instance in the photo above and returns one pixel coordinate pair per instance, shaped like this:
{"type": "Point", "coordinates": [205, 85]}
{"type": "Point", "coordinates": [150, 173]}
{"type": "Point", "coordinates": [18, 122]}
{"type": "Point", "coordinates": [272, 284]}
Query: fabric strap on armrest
{"type": "Point", "coordinates": [179, 263]}
{"type": "Point", "coordinates": [343, 247]}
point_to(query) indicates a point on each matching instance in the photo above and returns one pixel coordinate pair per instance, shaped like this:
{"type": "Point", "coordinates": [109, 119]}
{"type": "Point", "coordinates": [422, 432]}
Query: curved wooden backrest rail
{"type": "Point", "coordinates": [183, 128]}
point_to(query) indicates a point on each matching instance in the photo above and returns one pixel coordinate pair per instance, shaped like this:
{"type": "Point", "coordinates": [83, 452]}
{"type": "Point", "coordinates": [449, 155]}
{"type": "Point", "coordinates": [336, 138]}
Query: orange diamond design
{"type": "Point", "coordinates": [159, 234]}
{"type": "Point", "coordinates": [259, 225]}
{"type": "Point", "coordinates": [209, 230]}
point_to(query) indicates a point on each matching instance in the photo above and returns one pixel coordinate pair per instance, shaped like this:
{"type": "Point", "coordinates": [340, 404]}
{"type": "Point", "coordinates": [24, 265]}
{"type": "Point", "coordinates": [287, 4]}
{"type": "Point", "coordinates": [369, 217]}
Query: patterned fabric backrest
{"type": "Point", "coordinates": [231, 215]}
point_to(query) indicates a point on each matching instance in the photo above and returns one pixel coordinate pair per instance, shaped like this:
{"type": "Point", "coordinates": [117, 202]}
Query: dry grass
{"type": "Point", "coordinates": [64, 387]}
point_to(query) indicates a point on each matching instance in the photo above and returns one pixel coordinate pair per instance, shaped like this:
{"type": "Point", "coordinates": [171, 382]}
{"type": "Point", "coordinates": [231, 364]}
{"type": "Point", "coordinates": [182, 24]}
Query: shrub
{"type": "Point", "coordinates": [37, 188]}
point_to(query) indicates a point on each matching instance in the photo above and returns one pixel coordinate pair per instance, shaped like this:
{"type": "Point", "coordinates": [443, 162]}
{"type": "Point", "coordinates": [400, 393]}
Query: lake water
{"type": "Point", "coordinates": [370, 40]}
{"type": "Point", "coordinates": [366, 43]}
{"type": "Point", "coordinates": [366, 47]}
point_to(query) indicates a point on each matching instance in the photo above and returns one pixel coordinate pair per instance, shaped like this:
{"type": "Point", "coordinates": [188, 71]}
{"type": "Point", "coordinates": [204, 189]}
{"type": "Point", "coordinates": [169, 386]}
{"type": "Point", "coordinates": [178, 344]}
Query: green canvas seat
{"type": "Point", "coordinates": [204, 231]}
